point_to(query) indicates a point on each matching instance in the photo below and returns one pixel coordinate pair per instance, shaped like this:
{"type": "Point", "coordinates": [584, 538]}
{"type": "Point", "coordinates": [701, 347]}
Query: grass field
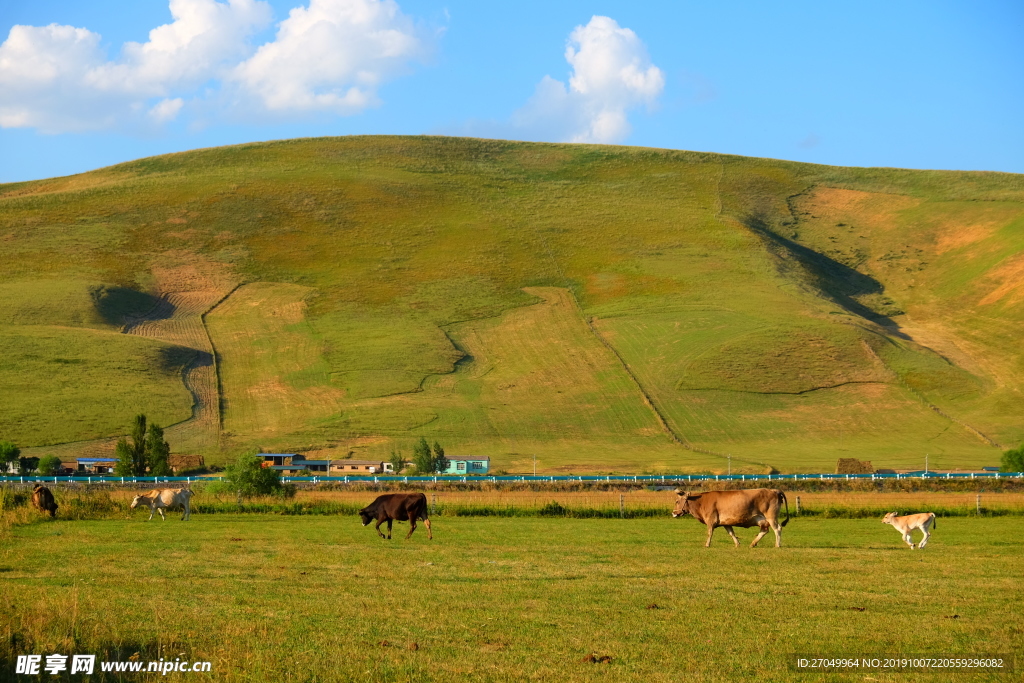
{"type": "Point", "coordinates": [321, 598]}
{"type": "Point", "coordinates": [604, 308]}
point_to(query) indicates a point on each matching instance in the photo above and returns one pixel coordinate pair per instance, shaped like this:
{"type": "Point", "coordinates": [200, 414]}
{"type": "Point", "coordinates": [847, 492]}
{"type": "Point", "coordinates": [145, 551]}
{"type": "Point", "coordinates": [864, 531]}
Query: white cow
{"type": "Point", "coordinates": [158, 499]}
{"type": "Point", "coordinates": [908, 523]}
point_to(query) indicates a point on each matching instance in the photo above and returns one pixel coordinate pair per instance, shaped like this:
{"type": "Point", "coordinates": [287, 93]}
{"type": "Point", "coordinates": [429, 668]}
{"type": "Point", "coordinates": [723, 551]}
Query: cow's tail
{"type": "Point", "coordinates": [935, 521]}
{"type": "Point", "coordinates": [782, 499]}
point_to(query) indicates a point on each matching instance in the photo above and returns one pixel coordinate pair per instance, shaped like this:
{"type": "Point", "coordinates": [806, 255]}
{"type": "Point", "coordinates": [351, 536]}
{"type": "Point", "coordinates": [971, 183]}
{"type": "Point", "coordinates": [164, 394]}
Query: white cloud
{"type": "Point", "coordinates": [166, 110]}
{"type": "Point", "coordinates": [329, 56]}
{"type": "Point", "coordinates": [611, 76]}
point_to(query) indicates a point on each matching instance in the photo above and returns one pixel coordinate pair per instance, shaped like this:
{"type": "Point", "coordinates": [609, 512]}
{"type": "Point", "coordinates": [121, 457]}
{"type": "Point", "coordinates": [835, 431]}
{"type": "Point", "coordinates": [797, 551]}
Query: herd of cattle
{"type": "Point", "coordinates": [743, 508]}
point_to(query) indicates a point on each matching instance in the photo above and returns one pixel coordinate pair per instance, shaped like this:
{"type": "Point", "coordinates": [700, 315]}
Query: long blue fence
{"type": "Point", "coordinates": [627, 478]}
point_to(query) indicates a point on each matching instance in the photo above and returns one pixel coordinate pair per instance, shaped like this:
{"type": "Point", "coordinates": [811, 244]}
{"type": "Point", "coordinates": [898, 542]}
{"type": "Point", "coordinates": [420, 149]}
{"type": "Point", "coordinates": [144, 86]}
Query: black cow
{"type": "Point", "coordinates": [401, 506]}
{"type": "Point", "coordinates": [43, 500]}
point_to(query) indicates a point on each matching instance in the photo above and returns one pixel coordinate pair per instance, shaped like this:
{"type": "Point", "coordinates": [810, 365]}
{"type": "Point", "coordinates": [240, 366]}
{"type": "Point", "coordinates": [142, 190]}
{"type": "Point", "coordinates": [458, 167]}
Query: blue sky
{"type": "Point", "coordinates": [910, 84]}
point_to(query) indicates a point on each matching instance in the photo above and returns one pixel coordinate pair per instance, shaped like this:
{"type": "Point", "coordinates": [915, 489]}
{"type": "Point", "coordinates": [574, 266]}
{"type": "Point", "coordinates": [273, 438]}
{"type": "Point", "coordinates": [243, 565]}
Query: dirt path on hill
{"type": "Point", "coordinates": [188, 290]}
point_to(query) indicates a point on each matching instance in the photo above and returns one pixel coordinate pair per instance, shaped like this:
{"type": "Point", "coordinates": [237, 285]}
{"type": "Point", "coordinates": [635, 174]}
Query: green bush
{"type": "Point", "coordinates": [1013, 460]}
{"type": "Point", "coordinates": [49, 464]}
{"type": "Point", "coordinates": [248, 478]}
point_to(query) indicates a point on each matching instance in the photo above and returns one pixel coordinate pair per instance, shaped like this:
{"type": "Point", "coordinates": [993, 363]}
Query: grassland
{"type": "Point", "coordinates": [602, 308]}
{"type": "Point", "coordinates": [321, 598]}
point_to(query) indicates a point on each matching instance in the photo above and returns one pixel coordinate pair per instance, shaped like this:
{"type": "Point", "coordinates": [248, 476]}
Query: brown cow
{"type": "Point", "coordinates": [745, 508]}
{"type": "Point", "coordinates": [401, 506]}
{"type": "Point", "coordinates": [42, 498]}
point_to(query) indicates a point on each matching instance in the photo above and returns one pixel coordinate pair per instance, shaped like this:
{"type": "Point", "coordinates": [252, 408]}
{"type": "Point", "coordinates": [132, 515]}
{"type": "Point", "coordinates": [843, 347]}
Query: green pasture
{"type": "Point", "coordinates": [597, 306]}
{"type": "Point", "coordinates": [91, 378]}
{"type": "Point", "coordinates": [268, 597]}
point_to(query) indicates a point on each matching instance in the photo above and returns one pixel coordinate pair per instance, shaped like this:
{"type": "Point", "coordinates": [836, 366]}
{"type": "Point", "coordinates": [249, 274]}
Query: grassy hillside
{"type": "Point", "coordinates": [600, 308]}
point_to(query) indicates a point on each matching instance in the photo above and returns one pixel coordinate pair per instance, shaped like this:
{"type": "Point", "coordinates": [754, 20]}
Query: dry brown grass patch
{"type": "Point", "coordinates": [1010, 275]}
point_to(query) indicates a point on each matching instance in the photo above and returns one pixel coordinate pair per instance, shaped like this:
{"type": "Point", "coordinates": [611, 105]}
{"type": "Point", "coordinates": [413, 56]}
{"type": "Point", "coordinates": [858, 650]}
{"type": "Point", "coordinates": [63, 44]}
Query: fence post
{"type": "Point", "coordinates": [433, 503]}
{"type": "Point", "coordinates": [798, 505]}
{"type": "Point", "coordinates": [622, 506]}
{"type": "Point", "coordinates": [977, 503]}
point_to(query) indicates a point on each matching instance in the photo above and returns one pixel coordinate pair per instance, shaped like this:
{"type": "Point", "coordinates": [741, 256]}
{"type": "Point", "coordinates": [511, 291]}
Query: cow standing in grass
{"type": "Point", "coordinates": [744, 508]}
{"type": "Point", "coordinates": [161, 499]}
{"type": "Point", "coordinates": [401, 506]}
{"type": "Point", "coordinates": [43, 500]}
{"type": "Point", "coordinates": [908, 523]}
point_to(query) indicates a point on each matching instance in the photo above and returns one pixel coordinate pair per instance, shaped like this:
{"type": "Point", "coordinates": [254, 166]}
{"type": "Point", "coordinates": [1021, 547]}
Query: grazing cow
{"type": "Point", "coordinates": [401, 506]}
{"type": "Point", "coordinates": [745, 508]}
{"type": "Point", "coordinates": [158, 499]}
{"type": "Point", "coordinates": [43, 500]}
{"type": "Point", "coordinates": [908, 523]}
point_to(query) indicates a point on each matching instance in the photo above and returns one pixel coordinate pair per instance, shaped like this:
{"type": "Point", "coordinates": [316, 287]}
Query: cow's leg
{"type": "Point", "coordinates": [924, 541]}
{"type": "Point", "coordinates": [763, 526]}
{"type": "Point", "coordinates": [735, 540]}
{"type": "Point", "coordinates": [188, 511]}
{"type": "Point", "coordinates": [162, 515]}
{"type": "Point", "coordinates": [430, 535]}
{"type": "Point", "coordinates": [907, 539]}
{"type": "Point", "coordinates": [390, 522]}
{"type": "Point", "coordinates": [777, 528]}
{"type": "Point", "coordinates": [152, 510]}
{"type": "Point", "coordinates": [412, 527]}
{"type": "Point", "coordinates": [379, 533]}
{"type": "Point", "coordinates": [711, 530]}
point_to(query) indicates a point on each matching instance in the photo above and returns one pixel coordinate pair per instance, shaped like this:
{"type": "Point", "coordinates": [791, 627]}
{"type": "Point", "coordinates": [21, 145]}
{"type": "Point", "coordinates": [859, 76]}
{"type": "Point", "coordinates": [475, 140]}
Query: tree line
{"type": "Point", "coordinates": [11, 458]}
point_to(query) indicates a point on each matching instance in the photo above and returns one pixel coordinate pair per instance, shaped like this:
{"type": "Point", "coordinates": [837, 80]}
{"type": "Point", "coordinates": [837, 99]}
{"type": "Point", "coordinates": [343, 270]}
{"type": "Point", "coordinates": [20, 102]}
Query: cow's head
{"type": "Point", "coordinates": [890, 517]}
{"type": "Point", "coordinates": [683, 499]}
{"type": "Point", "coordinates": [365, 515]}
{"type": "Point", "coordinates": [135, 502]}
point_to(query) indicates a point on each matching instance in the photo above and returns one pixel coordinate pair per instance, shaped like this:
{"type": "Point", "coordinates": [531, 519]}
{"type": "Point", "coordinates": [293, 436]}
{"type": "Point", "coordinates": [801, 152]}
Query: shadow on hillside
{"type": "Point", "coordinates": [834, 281]}
{"type": "Point", "coordinates": [123, 306]}
{"type": "Point", "coordinates": [176, 358]}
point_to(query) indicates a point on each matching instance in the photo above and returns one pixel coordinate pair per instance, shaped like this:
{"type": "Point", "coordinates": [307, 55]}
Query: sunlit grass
{"type": "Point", "coordinates": [500, 599]}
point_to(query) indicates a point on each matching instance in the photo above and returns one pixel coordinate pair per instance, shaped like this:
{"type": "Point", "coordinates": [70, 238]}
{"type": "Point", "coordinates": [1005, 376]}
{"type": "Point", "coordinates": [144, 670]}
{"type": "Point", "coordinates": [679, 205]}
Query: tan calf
{"type": "Point", "coordinates": [908, 523]}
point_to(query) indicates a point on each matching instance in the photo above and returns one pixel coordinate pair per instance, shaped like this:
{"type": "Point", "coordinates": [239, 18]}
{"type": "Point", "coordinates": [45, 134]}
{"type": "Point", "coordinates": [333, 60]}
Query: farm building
{"type": "Point", "coordinates": [292, 463]}
{"type": "Point", "coordinates": [467, 464]}
{"type": "Point", "coordinates": [96, 465]}
{"type": "Point", "coordinates": [181, 462]}
{"type": "Point", "coordinates": [360, 467]}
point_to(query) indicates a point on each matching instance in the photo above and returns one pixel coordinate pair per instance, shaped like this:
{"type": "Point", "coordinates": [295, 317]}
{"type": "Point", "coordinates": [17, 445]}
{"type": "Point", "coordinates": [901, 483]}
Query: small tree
{"type": "Point", "coordinates": [440, 462]}
{"type": "Point", "coordinates": [422, 457]}
{"type": "Point", "coordinates": [248, 477]}
{"type": "Point", "coordinates": [8, 455]}
{"type": "Point", "coordinates": [49, 464]}
{"type": "Point", "coordinates": [131, 457]}
{"type": "Point", "coordinates": [397, 461]}
{"type": "Point", "coordinates": [29, 465]}
{"type": "Point", "coordinates": [158, 452]}
{"type": "Point", "coordinates": [1013, 460]}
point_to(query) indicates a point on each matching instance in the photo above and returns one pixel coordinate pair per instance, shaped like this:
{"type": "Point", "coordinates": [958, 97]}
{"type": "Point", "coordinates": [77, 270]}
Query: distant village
{"type": "Point", "coordinates": [294, 464]}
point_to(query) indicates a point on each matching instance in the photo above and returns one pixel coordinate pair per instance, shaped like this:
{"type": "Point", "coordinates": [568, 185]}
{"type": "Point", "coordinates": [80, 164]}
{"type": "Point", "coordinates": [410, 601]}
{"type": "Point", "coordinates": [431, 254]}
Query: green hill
{"type": "Point", "coordinates": [602, 308]}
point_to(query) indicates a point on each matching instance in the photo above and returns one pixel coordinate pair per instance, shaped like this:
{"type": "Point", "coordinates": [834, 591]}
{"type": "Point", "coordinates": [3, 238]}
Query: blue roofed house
{"type": "Point", "coordinates": [290, 463]}
{"type": "Point", "coordinates": [467, 464]}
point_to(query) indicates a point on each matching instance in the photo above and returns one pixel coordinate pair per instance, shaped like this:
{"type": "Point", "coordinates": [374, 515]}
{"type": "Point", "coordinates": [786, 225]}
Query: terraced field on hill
{"type": "Point", "coordinates": [600, 308]}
